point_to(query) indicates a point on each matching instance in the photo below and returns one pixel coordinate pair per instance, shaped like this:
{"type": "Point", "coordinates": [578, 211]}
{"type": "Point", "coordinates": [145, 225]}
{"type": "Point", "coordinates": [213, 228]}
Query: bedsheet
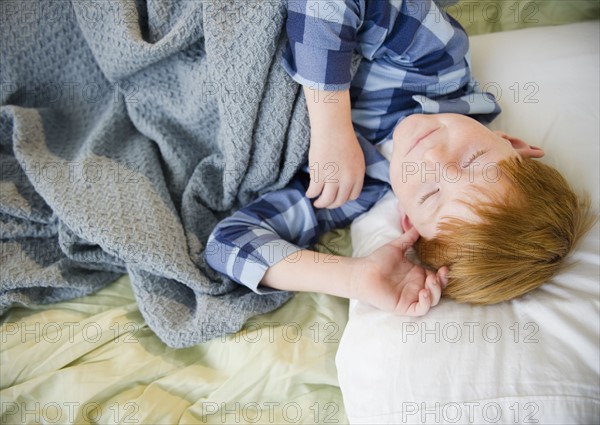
{"type": "Point", "coordinates": [94, 360]}
{"type": "Point", "coordinates": [487, 16]}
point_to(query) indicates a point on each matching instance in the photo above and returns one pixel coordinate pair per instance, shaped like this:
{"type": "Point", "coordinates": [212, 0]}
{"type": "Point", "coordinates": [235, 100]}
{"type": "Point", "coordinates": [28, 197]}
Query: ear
{"type": "Point", "coordinates": [524, 149]}
{"type": "Point", "coordinates": [405, 223]}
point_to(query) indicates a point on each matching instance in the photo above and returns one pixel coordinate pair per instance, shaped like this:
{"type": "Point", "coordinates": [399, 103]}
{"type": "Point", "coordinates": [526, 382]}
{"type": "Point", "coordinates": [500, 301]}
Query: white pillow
{"type": "Point", "coordinates": [535, 359]}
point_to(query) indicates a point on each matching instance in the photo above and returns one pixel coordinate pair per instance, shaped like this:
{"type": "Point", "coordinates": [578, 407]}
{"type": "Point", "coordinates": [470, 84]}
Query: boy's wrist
{"type": "Point", "coordinates": [328, 116]}
{"type": "Point", "coordinates": [313, 272]}
{"type": "Point", "coordinates": [332, 134]}
{"type": "Point", "coordinates": [359, 279]}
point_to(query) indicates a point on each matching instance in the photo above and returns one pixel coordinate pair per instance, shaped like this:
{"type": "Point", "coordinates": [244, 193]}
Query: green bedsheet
{"type": "Point", "coordinates": [485, 16]}
{"type": "Point", "coordinates": [93, 360]}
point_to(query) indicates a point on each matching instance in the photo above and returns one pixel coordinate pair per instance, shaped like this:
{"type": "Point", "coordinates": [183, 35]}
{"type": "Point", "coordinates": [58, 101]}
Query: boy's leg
{"type": "Point", "coordinates": [275, 226]}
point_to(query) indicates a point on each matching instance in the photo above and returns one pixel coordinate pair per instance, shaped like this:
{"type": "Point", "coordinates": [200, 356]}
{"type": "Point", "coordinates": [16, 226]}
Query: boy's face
{"type": "Point", "coordinates": [439, 160]}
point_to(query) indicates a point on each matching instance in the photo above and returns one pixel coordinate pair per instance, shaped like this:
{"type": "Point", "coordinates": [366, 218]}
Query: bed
{"type": "Point", "coordinates": [535, 359]}
{"type": "Point", "coordinates": [320, 359]}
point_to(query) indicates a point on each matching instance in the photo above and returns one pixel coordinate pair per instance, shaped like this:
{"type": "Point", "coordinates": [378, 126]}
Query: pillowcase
{"type": "Point", "coordinates": [534, 359]}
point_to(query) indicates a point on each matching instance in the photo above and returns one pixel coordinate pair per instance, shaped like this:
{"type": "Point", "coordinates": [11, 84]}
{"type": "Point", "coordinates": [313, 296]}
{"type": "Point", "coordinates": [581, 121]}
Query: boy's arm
{"type": "Point", "coordinates": [322, 38]}
{"type": "Point", "coordinates": [275, 226]}
{"type": "Point", "coordinates": [335, 159]}
{"type": "Point", "coordinates": [249, 248]}
{"type": "Point", "coordinates": [384, 279]}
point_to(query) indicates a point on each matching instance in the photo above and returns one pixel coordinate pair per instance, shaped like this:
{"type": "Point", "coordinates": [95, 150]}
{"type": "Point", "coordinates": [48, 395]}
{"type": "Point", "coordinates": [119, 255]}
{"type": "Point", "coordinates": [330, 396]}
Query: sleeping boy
{"type": "Point", "coordinates": [490, 220]}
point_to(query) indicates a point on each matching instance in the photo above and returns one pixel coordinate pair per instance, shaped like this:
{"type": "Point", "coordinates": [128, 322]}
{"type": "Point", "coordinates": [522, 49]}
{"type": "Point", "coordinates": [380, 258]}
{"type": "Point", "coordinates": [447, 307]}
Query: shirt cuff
{"type": "Point", "coordinates": [263, 258]}
{"type": "Point", "coordinates": [316, 68]}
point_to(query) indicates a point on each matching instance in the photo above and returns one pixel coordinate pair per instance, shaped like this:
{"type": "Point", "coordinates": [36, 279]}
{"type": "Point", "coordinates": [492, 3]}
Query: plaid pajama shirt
{"type": "Point", "coordinates": [415, 59]}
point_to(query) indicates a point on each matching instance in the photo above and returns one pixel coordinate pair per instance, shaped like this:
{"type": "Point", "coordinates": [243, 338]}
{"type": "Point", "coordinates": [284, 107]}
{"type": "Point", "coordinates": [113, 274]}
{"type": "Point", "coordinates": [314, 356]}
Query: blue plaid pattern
{"type": "Point", "coordinates": [415, 59]}
{"type": "Point", "coordinates": [278, 224]}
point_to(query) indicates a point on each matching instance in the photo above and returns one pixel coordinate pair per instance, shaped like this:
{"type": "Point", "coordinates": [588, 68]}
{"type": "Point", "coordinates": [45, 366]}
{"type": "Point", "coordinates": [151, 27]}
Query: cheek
{"type": "Point", "coordinates": [405, 182]}
{"type": "Point", "coordinates": [402, 199]}
{"type": "Point", "coordinates": [423, 224]}
{"type": "Point", "coordinates": [395, 181]}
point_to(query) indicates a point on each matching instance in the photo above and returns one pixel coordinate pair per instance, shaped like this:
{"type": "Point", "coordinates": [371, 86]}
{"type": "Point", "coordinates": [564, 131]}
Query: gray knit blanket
{"type": "Point", "coordinates": [128, 129]}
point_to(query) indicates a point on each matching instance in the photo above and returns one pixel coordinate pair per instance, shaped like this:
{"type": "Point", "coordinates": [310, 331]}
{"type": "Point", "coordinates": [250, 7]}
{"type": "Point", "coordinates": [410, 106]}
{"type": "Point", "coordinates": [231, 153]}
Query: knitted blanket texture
{"type": "Point", "coordinates": [128, 129]}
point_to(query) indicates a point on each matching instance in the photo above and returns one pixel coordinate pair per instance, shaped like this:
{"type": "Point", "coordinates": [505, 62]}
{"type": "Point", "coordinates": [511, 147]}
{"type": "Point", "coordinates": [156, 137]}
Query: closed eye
{"type": "Point", "coordinates": [474, 157]}
{"type": "Point", "coordinates": [426, 196]}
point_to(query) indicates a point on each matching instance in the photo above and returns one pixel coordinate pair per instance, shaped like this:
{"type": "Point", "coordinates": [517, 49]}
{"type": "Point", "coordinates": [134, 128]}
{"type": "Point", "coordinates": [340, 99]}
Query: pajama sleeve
{"type": "Point", "coordinates": [322, 37]}
{"type": "Point", "coordinates": [277, 225]}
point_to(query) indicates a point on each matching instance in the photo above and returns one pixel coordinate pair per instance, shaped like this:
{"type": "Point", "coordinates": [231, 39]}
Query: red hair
{"type": "Point", "coordinates": [521, 241]}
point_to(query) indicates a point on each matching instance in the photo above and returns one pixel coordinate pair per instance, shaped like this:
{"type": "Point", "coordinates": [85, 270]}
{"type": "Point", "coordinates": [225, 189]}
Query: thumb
{"type": "Point", "coordinates": [407, 239]}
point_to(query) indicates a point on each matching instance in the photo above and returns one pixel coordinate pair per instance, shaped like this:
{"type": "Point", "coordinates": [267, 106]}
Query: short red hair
{"type": "Point", "coordinates": [521, 241]}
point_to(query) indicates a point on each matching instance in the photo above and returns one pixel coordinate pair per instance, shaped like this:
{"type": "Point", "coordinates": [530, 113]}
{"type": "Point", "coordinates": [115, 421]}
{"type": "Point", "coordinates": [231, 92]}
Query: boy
{"type": "Point", "coordinates": [415, 61]}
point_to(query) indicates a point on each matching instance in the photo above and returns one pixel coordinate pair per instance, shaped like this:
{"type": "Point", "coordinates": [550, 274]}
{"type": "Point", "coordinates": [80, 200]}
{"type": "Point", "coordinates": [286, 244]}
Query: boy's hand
{"type": "Point", "coordinates": [337, 168]}
{"type": "Point", "coordinates": [335, 159]}
{"type": "Point", "coordinates": [387, 280]}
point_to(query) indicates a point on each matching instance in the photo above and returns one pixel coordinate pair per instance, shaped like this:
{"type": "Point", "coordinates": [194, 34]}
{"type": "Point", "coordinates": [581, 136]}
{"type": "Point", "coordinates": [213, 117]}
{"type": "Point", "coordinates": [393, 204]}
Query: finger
{"type": "Point", "coordinates": [442, 275]}
{"type": "Point", "coordinates": [407, 239]}
{"type": "Point", "coordinates": [342, 196]}
{"type": "Point", "coordinates": [314, 189]}
{"type": "Point", "coordinates": [421, 305]}
{"type": "Point", "coordinates": [357, 189]}
{"type": "Point", "coordinates": [435, 289]}
{"type": "Point", "coordinates": [424, 304]}
{"type": "Point", "coordinates": [327, 196]}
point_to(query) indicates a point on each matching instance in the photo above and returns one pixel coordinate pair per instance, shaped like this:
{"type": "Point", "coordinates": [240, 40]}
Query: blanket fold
{"type": "Point", "coordinates": [127, 130]}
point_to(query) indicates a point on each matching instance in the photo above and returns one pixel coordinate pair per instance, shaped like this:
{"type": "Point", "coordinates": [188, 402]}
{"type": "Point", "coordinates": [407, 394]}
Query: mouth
{"type": "Point", "coordinates": [421, 138]}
